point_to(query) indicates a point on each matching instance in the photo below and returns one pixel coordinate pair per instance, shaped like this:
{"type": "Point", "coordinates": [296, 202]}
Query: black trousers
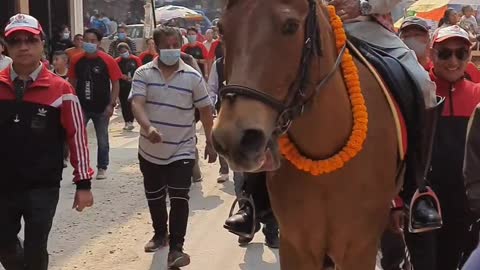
{"type": "Point", "coordinates": [256, 185]}
{"type": "Point", "coordinates": [126, 105]}
{"type": "Point", "coordinates": [175, 180]}
{"type": "Point", "coordinates": [37, 207]}
{"type": "Point", "coordinates": [393, 251]}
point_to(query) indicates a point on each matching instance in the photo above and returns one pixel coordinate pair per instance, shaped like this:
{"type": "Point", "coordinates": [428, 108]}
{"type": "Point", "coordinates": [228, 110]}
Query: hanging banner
{"type": "Point", "coordinates": [149, 24]}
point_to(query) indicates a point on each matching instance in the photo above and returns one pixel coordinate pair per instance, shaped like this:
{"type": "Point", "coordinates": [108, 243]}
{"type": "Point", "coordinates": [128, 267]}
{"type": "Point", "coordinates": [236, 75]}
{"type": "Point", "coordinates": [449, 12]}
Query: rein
{"type": "Point", "coordinates": [296, 100]}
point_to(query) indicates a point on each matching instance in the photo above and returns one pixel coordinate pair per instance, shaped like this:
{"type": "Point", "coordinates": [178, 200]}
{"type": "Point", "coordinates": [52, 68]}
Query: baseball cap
{"type": "Point", "coordinates": [414, 21]}
{"type": "Point", "coordinates": [23, 22]}
{"type": "Point", "coordinates": [448, 32]}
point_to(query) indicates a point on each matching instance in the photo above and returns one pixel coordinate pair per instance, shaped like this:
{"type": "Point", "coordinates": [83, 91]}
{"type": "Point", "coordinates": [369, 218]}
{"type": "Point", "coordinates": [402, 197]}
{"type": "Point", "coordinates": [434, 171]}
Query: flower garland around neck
{"type": "Point", "coordinates": [360, 116]}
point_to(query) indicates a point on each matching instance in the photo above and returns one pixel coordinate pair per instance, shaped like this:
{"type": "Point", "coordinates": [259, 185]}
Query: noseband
{"type": "Point", "coordinates": [296, 98]}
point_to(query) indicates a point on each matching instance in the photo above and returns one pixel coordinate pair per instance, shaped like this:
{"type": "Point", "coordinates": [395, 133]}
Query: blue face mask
{"type": "Point", "coordinates": [122, 36]}
{"type": "Point", "coordinates": [170, 56]}
{"type": "Point", "coordinates": [192, 38]}
{"type": "Point", "coordinates": [89, 47]}
{"type": "Point", "coordinates": [125, 55]}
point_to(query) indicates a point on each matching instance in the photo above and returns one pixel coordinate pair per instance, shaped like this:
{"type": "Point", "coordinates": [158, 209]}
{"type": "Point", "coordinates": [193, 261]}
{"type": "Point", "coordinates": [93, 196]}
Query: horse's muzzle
{"type": "Point", "coordinates": [247, 151]}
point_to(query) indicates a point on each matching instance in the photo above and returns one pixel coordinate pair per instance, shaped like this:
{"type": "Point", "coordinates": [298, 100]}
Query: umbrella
{"type": "Point", "coordinates": [434, 9]}
{"type": "Point", "coordinates": [166, 13]}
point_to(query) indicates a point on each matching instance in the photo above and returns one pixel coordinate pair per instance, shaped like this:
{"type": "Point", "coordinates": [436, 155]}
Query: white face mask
{"type": "Point", "coordinates": [169, 56]}
{"type": "Point", "coordinates": [417, 46]}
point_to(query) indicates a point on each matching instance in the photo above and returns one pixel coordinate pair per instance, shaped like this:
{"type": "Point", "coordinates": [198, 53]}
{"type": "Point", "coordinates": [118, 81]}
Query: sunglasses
{"type": "Point", "coordinates": [27, 41]}
{"type": "Point", "coordinates": [461, 54]}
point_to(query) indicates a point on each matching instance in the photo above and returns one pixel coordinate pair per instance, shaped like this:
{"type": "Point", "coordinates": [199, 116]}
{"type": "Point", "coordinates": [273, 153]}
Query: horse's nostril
{"type": "Point", "coordinates": [253, 140]}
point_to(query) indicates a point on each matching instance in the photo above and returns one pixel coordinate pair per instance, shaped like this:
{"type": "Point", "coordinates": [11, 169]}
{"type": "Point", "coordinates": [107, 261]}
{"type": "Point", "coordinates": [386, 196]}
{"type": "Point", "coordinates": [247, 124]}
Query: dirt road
{"type": "Point", "coordinates": [111, 235]}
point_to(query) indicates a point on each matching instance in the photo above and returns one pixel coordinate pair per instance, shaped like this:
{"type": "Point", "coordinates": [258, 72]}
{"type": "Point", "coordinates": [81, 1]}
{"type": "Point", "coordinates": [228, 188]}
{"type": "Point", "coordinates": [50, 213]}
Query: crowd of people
{"type": "Point", "coordinates": [39, 129]}
{"type": "Point", "coordinates": [85, 83]}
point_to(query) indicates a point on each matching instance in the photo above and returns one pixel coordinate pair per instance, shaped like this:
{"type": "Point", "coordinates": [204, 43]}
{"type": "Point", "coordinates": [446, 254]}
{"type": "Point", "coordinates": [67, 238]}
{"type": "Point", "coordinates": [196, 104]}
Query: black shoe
{"type": "Point", "coordinates": [242, 223]}
{"type": "Point", "coordinates": [271, 235]}
{"type": "Point", "coordinates": [156, 243]}
{"type": "Point", "coordinates": [424, 215]}
{"type": "Point", "coordinates": [272, 241]}
{"type": "Point", "coordinates": [178, 258]}
{"type": "Point", "coordinates": [243, 240]}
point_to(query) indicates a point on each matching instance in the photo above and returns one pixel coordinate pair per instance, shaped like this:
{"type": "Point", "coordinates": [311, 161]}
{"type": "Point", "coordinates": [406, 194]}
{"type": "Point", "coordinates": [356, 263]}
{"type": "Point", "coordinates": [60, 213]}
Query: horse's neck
{"type": "Point", "coordinates": [327, 122]}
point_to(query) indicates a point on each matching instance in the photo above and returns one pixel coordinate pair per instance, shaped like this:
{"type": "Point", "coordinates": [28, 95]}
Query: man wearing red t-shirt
{"type": "Point", "coordinates": [196, 49]}
{"type": "Point", "coordinates": [91, 73]}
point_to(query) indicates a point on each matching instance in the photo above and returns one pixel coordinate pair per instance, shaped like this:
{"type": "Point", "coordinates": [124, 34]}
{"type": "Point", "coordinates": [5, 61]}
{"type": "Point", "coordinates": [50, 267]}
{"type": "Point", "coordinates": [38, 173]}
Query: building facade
{"type": "Point", "coordinates": [51, 13]}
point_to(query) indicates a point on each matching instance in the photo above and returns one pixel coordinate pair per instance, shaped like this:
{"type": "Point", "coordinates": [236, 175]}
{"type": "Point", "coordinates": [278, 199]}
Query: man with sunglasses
{"type": "Point", "coordinates": [414, 32]}
{"type": "Point", "coordinates": [39, 111]}
{"type": "Point", "coordinates": [450, 54]}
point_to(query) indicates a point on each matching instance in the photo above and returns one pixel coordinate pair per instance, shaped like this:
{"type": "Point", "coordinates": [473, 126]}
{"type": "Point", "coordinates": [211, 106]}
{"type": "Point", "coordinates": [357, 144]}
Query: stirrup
{"type": "Point", "coordinates": [419, 194]}
{"type": "Point", "coordinates": [248, 200]}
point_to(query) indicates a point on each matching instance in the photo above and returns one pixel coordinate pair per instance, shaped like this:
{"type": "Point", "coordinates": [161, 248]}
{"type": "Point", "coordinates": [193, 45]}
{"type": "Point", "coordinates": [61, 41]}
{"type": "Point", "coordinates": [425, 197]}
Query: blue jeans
{"type": "Point", "coordinates": [100, 122]}
{"type": "Point", "coordinates": [473, 262]}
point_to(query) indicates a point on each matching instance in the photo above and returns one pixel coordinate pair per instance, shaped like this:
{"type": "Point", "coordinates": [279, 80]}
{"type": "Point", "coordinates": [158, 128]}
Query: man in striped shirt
{"type": "Point", "coordinates": [38, 112]}
{"type": "Point", "coordinates": [164, 94]}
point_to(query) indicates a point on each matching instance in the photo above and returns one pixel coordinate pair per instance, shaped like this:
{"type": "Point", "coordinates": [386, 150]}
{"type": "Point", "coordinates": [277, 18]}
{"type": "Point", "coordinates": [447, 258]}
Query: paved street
{"type": "Point", "coordinates": [112, 234]}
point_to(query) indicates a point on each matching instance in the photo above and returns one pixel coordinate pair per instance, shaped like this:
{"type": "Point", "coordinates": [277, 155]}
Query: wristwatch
{"type": "Point", "coordinates": [365, 8]}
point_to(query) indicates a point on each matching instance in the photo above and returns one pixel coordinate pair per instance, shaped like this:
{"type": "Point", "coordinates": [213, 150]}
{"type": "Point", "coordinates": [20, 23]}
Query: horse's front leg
{"type": "Point", "coordinates": [299, 256]}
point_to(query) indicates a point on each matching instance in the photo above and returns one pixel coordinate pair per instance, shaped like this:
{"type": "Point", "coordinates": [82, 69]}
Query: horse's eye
{"type": "Point", "coordinates": [290, 27]}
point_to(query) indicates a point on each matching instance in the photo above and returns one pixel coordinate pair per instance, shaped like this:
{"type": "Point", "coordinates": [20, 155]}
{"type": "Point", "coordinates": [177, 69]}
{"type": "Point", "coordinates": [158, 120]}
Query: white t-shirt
{"type": "Point", "coordinates": [5, 61]}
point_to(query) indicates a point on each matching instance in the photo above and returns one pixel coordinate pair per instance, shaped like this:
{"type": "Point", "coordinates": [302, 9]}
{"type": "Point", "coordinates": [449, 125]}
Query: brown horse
{"type": "Point", "coordinates": [271, 64]}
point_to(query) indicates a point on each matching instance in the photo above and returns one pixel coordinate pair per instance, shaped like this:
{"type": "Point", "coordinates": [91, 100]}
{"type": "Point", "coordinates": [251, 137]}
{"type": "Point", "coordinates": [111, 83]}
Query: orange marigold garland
{"type": "Point", "coordinates": [360, 116]}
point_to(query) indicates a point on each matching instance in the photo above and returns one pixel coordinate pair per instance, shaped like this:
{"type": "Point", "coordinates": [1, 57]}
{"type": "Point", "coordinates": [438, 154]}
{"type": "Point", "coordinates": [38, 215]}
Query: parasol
{"type": "Point", "coordinates": [166, 13]}
{"type": "Point", "coordinates": [434, 9]}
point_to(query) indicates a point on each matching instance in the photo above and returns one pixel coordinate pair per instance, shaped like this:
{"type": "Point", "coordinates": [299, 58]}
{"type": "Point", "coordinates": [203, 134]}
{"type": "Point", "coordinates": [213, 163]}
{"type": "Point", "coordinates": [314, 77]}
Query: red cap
{"type": "Point", "coordinates": [23, 22]}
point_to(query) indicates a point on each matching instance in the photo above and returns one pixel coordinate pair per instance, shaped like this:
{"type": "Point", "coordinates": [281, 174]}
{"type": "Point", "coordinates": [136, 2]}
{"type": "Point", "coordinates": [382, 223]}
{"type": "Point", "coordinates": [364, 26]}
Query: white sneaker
{"type": "Point", "coordinates": [222, 178]}
{"type": "Point", "coordinates": [129, 126]}
{"type": "Point", "coordinates": [101, 174]}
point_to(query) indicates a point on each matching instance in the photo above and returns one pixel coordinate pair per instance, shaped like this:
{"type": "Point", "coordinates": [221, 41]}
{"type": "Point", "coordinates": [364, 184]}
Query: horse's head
{"type": "Point", "coordinates": [270, 47]}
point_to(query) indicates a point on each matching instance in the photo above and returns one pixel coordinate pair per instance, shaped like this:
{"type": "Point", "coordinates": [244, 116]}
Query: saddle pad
{"type": "Point", "coordinates": [399, 120]}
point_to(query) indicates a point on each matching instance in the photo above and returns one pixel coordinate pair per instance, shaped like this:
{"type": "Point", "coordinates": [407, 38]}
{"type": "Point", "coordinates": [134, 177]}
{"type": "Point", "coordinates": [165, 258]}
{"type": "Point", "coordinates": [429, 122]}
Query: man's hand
{"type": "Point", "coordinates": [109, 110]}
{"type": "Point", "coordinates": [210, 153]}
{"type": "Point", "coordinates": [397, 221]}
{"type": "Point", "coordinates": [124, 77]}
{"type": "Point", "coordinates": [347, 9]}
{"type": "Point", "coordinates": [153, 135]}
{"type": "Point", "coordinates": [83, 199]}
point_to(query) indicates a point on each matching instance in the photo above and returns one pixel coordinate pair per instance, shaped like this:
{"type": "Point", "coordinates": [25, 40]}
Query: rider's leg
{"type": "Point", "coordinates": [243, 222]}
{"type": "Point", "coordinates": [425, 212]}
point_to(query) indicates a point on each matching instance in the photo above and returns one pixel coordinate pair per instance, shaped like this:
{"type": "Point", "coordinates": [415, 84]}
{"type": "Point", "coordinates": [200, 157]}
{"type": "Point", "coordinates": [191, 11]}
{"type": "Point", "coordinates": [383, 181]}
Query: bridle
{"type": "Point", "coordinates": [297, 97]}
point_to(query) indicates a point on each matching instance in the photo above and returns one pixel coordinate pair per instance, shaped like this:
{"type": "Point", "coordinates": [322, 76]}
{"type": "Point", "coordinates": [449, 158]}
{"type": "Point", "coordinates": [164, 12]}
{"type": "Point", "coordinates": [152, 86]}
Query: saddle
{"type": "Point", "coordinates": [401, 86]}
{"type": "Point", "coordinates": [407, 99]}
